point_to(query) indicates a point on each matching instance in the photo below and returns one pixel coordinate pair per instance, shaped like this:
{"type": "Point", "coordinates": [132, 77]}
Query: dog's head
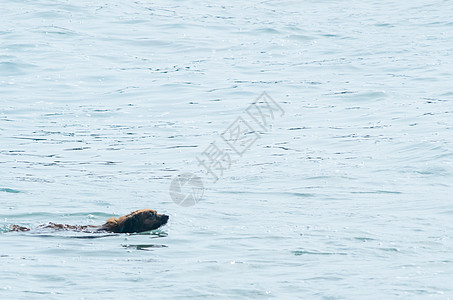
{"type": "Point", "coordinates": [137, 221]}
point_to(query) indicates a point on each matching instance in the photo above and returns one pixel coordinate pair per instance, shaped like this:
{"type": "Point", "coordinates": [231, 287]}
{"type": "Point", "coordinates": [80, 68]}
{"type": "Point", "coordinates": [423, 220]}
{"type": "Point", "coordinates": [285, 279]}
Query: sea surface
{"type": "Point", "coordinates": [347, 193]}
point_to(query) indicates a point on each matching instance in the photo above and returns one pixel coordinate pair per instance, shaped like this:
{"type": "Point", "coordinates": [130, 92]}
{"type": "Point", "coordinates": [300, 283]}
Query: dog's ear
{"type": "Point", "coordinates": [130, 224]}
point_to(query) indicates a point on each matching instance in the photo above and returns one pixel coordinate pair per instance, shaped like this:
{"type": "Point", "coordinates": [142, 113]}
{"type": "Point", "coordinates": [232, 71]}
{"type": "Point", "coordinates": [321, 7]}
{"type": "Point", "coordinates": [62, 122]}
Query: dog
{"type": "Point", "coordinates": [137, 221]}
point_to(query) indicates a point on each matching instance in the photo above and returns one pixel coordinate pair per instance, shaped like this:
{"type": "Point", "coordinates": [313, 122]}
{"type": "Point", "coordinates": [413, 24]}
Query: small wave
{"type": "Point", "coordinates": [8, 190]}
{"type": "Point", "coordinates": [315, 252]}
{"type": "Point", "coordinates": [145, 247]}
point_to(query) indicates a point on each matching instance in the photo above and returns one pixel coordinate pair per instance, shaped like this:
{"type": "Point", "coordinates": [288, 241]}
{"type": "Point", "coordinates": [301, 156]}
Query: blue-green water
{"type": "Point", "coordinates": [348, 196]}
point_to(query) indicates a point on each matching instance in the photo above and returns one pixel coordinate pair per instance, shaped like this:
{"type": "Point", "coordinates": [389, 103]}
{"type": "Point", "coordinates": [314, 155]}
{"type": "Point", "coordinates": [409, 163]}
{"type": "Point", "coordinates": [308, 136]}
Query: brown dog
{"type": "Point", "coordinates": [137, 221]}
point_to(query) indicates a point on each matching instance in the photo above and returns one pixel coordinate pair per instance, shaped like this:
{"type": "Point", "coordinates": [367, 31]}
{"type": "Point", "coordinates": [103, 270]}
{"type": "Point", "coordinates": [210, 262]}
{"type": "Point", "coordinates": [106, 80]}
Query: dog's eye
{"type": "Point", "coordinates": [151, 214]}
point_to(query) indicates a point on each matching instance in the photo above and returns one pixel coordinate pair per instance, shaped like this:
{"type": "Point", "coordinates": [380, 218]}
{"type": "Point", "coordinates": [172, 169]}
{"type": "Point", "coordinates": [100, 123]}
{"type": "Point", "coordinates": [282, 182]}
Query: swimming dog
{"type": "Point", "coordinates": [137, 221]}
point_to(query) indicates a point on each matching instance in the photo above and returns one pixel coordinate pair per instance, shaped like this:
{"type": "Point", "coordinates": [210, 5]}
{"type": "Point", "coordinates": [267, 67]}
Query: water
{"type": "Point", "coordinates": [348, 196]}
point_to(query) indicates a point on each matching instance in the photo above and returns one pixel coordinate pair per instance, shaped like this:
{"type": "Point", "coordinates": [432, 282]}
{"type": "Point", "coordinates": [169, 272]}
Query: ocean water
{"type": "Point", "coordinates": [347, 195]}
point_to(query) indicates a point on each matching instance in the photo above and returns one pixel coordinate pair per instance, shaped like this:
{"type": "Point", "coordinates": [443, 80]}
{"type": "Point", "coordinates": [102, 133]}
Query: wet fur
{"type": "Point", "coordinates": [137, 221]}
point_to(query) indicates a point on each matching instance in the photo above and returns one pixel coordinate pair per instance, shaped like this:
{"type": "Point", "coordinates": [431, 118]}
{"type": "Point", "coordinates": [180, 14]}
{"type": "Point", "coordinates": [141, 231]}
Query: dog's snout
{"type": "Point", "coordinates": [164, 218]}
